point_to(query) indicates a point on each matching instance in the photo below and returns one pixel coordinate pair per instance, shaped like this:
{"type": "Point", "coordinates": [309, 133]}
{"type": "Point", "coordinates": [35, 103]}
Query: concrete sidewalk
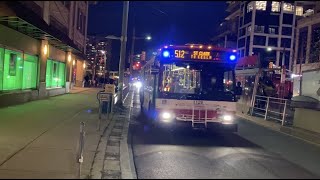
{"type": "Point", "coordinates": [308, 136]}
{"type": "Point", "coordinates": [272, 137]}
{"type": "Point", "coordinates": [76, 90]}
{"type": "Point", "coordinates": [40, 139]}
{"type": "Point", "coordinates": [113, 158]}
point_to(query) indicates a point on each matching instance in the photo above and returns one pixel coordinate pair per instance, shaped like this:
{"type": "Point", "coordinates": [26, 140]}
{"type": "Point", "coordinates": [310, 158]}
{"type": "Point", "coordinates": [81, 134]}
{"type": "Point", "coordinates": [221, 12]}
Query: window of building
{"type": "Point", "coordinates": [315, 43]}
{"type": "Point", "coordinates": [273, 42]}
{"type": "Point", "coordinates": [241, 42]}
{"type": "Point", "coordinates": [249, 29]}
{"type": "Point", "coordinates": [287, 31]}
{"type": "Point", "coordinates": [79, 20]}
{"type": "Point", "coordinates": [17, 72]}
{"type": "Point", "coordinates": [287, 19]}
{"type": "Point", "coordinates": [285, 42]}
{"type": "Point", "coordinates": [250, 6]}
{"type": "Point", "coordinates": [55, 74]}
{"type": "Point", "coordinates": [275, 6]}
{"type": "Point", "coordinates": [242, 32]}
{"type": "Point", "coordinates": [299, 10]}
{"type": "Point", "coordinates": [302, 45]}
{"type": "Point", "coordinates": [259, 29]}
{"type": "Point", "coordinates": [241, 21]}
{"type": "Point", "coordinates": [13, 70]}
{"type": "Point", "coordinates": [287, 7]}
{"type": "Point", "coordinates": [83, 24]}
{"type": "Point", "coordinates": [261, 5]}
{"type": "Point", "coordinates": [30, 69]}
{"type": "Point", "coordinates": [1, 67]}
{"type": "Point", "coordinates": [259, 40]}
{"type": "Point", "coordinates": [272, 30]}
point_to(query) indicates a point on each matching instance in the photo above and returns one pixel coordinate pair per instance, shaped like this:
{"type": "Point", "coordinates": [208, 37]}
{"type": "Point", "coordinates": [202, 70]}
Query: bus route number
{"type": "Point", "coordinates": [179, 54]}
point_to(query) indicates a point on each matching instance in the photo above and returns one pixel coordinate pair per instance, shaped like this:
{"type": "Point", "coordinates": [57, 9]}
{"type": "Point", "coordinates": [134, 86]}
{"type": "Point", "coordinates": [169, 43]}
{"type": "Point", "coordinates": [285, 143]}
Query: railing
{"type": "Point", "coordinates": [272, 108]}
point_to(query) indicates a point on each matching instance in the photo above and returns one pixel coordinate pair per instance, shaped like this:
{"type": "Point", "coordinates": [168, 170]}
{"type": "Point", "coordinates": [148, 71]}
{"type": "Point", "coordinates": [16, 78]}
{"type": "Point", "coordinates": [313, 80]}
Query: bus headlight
{"type": "Point", "coordinates": [138, 84]}
{"type": "Point", "coordinates": [166, 117]}
{"type": "Point", "coordinates": [227, 118]}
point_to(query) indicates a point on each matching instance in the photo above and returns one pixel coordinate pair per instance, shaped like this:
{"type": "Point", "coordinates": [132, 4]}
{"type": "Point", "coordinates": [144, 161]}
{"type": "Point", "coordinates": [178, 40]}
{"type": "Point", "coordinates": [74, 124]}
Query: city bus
{"type": "Point", "coordinates": [192, 85]}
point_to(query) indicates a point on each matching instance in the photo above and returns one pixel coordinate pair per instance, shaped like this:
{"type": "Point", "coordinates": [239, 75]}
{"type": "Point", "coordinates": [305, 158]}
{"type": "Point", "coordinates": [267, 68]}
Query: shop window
{"type": "Point", "coordinates": [12, 70]}
{"type": "Point", "coordinates": [55, 74]}
{"type": "Point", "coordinates": [30, 70]}
{"type": "Point", "coordinates": [1, 66]}
{"type": "Point", "coordinates": [275, 6]}
{"type": "Point", "coordinates": [261, 5]}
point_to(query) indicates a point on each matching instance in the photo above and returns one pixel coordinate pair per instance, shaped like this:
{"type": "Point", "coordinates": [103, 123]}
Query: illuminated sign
{"type": "Point", "coordinates": [196, 55]}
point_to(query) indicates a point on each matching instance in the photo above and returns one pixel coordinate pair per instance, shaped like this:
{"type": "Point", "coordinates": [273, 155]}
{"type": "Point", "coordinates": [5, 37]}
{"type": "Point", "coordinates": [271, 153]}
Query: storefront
{"type": "Point", "coordinates": [18, 71]}
{"type": "Point", "coordinates": [55, 74]}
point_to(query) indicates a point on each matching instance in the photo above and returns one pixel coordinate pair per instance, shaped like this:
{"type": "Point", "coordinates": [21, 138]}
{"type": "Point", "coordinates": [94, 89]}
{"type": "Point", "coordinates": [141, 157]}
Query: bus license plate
{"type": "Point", "coordinates": [198, 102]}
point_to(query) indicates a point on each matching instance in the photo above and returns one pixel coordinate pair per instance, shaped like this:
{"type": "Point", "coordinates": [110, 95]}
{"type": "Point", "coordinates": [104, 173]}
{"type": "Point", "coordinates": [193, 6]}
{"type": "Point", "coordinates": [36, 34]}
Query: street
{"type": "Point", "coordinates": [160, 153]}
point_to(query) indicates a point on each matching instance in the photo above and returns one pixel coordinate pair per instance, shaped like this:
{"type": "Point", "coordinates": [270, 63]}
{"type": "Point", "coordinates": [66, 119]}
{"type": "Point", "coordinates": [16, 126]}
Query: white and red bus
{"type": "Point", "coordinates": [191, 84]}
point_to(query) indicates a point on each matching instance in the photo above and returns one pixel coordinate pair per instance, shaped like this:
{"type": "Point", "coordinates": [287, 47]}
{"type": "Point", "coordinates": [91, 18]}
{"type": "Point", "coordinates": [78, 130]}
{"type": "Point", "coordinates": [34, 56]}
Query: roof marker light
{"type": "Point", "coordinates": [165, 54]}
{"type": "Point", "coordinates": [232, 57]}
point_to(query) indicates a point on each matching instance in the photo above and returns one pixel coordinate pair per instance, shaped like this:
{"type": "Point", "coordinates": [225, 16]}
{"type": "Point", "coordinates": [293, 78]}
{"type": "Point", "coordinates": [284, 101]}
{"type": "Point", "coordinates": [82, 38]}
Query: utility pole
{"type": "Point", "coordinates": [132, 49]}
{"type": "Point", "coordinates": [123, 48]}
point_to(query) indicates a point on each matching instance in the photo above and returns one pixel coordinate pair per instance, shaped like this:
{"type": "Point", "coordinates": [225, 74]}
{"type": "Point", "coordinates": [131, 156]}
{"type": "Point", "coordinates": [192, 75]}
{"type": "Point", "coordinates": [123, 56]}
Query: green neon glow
{"type": "Point", "coordinates": [55, 74]}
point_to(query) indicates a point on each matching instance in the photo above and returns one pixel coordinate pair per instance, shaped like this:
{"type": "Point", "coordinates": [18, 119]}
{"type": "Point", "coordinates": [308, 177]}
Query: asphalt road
{"type": "Point", "coordinates": [161, 153]}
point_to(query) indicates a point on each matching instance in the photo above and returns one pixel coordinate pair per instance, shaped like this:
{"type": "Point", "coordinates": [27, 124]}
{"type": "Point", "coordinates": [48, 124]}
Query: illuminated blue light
{"type": "Point", "coordinates": [232, 57]}
{"type": "Point", "coordinates": [166, 54]}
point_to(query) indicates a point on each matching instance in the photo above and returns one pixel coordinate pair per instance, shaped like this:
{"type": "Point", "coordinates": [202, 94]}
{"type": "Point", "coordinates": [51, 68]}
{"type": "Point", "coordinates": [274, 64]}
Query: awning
{"type": "Point", "coordinates": [38, 29]}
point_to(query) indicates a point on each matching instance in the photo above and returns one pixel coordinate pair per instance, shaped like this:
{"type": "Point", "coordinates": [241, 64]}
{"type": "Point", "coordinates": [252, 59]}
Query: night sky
{"type": "Point", "coordinates": [168, 22]}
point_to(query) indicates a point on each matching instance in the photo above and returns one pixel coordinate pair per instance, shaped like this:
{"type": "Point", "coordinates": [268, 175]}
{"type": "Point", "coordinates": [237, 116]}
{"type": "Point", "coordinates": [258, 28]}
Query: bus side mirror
{"type": "Point", "coordinates": [238, 91]}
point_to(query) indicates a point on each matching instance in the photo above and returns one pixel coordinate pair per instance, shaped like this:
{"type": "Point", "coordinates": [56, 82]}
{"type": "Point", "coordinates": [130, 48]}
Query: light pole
{"type": "Point", "coordinates": [132, 47]}
{"type": "Point", "coordinates": [123, 48]}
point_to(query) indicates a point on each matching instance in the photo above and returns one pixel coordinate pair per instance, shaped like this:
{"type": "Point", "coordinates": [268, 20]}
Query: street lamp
{"type": "Point", "coordinates": [148, 38]}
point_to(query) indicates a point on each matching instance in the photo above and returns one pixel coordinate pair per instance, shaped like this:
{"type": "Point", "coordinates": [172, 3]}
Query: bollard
{"type": "Point", "coordinates": [80, 150]}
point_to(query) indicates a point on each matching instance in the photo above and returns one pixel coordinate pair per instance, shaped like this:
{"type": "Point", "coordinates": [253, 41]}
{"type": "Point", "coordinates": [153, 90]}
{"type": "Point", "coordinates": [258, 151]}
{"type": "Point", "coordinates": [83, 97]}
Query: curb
{"type": "Point", "coordinates": [126, 156]}
{"type": "Point", "coordinates": [304, 135]}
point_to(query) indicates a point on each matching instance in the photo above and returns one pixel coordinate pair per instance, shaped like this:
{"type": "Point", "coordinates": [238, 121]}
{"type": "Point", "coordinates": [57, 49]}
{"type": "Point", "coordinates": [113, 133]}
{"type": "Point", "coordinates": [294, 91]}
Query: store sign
{"type": "Point", "coordinates": [110, 88]}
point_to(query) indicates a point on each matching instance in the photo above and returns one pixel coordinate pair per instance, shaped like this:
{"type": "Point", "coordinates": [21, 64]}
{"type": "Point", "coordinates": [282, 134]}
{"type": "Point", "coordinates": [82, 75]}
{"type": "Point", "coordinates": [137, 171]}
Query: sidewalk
{"type": "Point", "coordinates": [39, 139]}
{"type": "Point", "coordinates": [76, 90]}
{"type": "Point", "coordinates": [308, 136]}
{"type": "Point", "coordinates": [113, 158]}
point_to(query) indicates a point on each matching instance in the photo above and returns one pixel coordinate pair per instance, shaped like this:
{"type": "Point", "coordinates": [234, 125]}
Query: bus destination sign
{"type": "Point", "coordinates": [196, 55]}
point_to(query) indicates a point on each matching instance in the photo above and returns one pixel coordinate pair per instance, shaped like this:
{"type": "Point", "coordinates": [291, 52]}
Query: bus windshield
{"type": "Point", "coordinates": [196, 81]}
